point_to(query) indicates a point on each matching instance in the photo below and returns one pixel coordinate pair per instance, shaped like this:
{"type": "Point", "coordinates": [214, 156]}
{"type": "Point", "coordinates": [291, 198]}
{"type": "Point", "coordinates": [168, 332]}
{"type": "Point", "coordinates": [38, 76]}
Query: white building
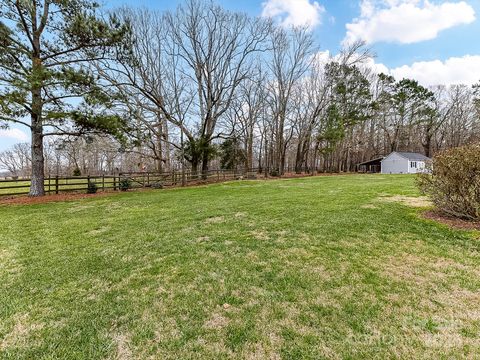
{"type": "Point", "coordinates": [404, 163]}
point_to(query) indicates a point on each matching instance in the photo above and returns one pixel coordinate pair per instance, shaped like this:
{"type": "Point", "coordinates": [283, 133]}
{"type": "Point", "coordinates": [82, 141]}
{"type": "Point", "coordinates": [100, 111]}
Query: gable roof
{"type": "Point", "coordinates": [413, 156]}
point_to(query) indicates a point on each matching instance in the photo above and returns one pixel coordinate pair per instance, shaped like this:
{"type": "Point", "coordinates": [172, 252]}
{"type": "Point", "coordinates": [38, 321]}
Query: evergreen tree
{"type": "Point", "coordinates": [47, 82]}
{"type": "Point", "coordinates": [232, 154]}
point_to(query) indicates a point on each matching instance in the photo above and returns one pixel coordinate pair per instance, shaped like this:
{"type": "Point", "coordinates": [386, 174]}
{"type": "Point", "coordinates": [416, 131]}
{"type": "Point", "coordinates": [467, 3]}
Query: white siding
{"type": "Point", "coordinates": [420, 167]}
{"type": "Point", "coordinates": [395, 164]}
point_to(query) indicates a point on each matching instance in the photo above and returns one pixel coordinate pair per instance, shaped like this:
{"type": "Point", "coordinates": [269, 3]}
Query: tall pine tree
{"type": "Point", "coordinates": [47, 82]}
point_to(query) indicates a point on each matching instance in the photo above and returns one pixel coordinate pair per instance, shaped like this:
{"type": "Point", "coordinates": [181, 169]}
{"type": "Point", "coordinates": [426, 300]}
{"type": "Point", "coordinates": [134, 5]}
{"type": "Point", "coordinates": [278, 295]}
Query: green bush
{"type": "Point", "coordinates": [454, 182]}
{"type": "Point", "coordinates": [125, 184]}
{"type": "Point", "coordinates": [92, 188]}
{"type": "Point", "coordinates": [77, 172]}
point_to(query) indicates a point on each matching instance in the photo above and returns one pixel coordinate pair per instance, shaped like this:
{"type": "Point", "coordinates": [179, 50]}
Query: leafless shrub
{"type": "Point", "coordinates": [454, 183]}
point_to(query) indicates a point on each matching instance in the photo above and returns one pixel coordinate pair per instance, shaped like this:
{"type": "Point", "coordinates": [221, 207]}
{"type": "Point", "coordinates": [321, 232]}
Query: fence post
{"type": "Point", "coordinates": [103, 182]}
{"type": "Point", "coordinates": [88, 181]}
{"type": "Point", "coordinates": [114, 182]}
{"type": "Point", "coordinates": [56, 184]}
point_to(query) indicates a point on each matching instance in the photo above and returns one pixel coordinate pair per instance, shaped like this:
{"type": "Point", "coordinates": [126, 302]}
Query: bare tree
{"type": "Point", "coordinates": [216, 48]}
{"type": "Point", "coordinates": [292, 52]}
{"type": "Point", "coordinates": [17, 160]}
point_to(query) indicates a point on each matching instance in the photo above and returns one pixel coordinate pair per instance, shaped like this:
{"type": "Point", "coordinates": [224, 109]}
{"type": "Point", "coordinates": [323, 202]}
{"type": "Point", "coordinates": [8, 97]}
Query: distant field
{"type": "Point", "coordinates": [4, 190]}
{"type": "Point", "coordinates": [22, 186]}
{"type": "Point", "coordinates": [308, 268]}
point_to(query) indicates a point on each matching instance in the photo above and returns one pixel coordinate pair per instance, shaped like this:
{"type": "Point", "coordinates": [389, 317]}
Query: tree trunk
{"type": "Point", "coordinates": [38, 160]}
{"type": "Point", "coordinates": [194, 164]}
{"type": "Point", "coordinates": [205, 165]}
{"type": "Point", "coordinates": [249, 149]}
{"type": "Point", "coordinates": [427, 143]}
{"type": "Point", "coordinates": [158, 164]}
{"type": "Point", "coordinates": [167, 146]}
{"type": "Point", "coordinates": [299, 157]}
{"type": "Point", "coordinates": [38, 177]}
{"type": "Point", "coordinates": [427, 146]}
{"type": "Point", "coordinates": [260, 155]}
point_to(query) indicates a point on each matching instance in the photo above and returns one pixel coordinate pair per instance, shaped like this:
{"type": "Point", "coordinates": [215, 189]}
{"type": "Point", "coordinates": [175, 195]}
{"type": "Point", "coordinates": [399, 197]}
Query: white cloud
{"type": "Point", "coordinates": [406, 21]}
{"type": "Point", "coordinates": [15, 134]}
{"type": "Point", "coordinates": [463, 70]}
{"type": "Point", "coordinates": [294, 12]}
{"type": "Point", "coordinates": [322, 57]}
{"type": "Point", "coordinates": [455, 70]}
{"type": "Point", "coordinates": [377, 67]}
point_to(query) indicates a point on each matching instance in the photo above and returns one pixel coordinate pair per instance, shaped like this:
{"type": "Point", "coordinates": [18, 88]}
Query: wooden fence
{"type": "Point", "coordinates": [55, 185]}
{"type": "Point", "coordinates": [60, 184]}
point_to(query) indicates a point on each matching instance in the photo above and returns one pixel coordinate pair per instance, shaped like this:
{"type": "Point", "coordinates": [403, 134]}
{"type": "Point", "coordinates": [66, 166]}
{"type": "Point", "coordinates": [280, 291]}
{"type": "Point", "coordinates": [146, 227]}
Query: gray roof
{"type": "Point", "coordinates": [413, 156]}
{"type": "Point", "coordinates": [379, 159]}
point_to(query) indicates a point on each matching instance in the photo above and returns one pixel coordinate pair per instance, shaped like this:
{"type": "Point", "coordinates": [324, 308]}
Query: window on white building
{"type": "Point", "coordinates": [413, 164]}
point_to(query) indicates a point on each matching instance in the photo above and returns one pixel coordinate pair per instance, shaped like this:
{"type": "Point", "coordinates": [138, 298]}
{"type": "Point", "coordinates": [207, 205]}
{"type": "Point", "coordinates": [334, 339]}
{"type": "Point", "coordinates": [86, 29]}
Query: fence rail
{"type": "Point", "coordinates": [61, 184]}
{"type": "Point", "coordinates": [58, 184]}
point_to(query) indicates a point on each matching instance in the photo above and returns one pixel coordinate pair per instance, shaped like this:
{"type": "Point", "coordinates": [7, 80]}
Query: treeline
{"type": "Point", "coordinates": [203, 87]}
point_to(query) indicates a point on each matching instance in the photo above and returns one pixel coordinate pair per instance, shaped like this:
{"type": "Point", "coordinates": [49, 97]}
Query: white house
{"type": "Point", "coordinates": [404, 163]}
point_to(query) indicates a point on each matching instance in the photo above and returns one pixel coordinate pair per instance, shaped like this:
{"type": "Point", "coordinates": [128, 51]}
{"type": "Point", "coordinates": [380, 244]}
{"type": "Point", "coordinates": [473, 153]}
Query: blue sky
{"type": "Point", "coordinates": [455, 41]}
{"type": "Point", "coordinates": [435, 42]}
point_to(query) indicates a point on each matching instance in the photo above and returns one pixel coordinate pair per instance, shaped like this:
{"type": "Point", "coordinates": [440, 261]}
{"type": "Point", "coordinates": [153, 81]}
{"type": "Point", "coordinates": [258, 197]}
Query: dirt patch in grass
{"type": "Point", "coordinates": [460, 312]}
{"type": "Point", "coordinates": [202, 239]}
{"type": "Point", "coordinates": [451, 221]}
{"type": "Point", "coordinates": [447, 313]}
{"type": "Point", "coordinates": [122, 343]}
{"type": "Point", "coordinates": [368, 206]}
{"type": "Point", "coordinates": [99, 231]}
{"type": "Point", "coordinates": [421, 270]}
{"type": "Point", "coordinates": [5, 257]}
{"type": "Point", "coordinates": [419, 202]}
{"type": "Point", "coordinates": [240, 215]}
{"type": "Point", "coordinates": [217, 321]}
{"type": "Point", "coordinates": [8, 261]}
{"type": "Point", "coordinates": [20, 333]}
{"type": "Point", "coordinates": [460, 304]}
{"type": "Point", "coordinates": [214, 220]}
{"type": "Point", "coordinates": [262, 352]}
{"type": "Point", "coordinates": [408, 268]}
{"type": "Point", "coordinates": [260, 235]}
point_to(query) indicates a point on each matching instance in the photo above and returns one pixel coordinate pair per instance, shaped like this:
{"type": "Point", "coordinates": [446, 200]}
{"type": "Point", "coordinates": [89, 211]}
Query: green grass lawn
{"type": "Point", "coordinates": [325, 267]}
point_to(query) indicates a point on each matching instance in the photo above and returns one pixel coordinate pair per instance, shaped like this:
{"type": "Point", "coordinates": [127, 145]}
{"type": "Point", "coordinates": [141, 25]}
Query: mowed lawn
{"type": "Point", "coordinates": [325, 267]}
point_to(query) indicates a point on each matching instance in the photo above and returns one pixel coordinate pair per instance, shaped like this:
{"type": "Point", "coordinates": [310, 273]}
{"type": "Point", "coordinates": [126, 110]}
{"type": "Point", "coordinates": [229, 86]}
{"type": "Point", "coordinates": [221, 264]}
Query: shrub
{"type": "Point", "coordinates": [125, 184]}
{"type": "Point", "coordinates": [274, 172]}
{"type": "Point", "coordinates": [454, 182]}
{"type": "Point", "coordinates": [92, 188]}
{"type": "Point", "coordinates": [77, 172]}
{"type": "Point", "coordinates": [157, 185]}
